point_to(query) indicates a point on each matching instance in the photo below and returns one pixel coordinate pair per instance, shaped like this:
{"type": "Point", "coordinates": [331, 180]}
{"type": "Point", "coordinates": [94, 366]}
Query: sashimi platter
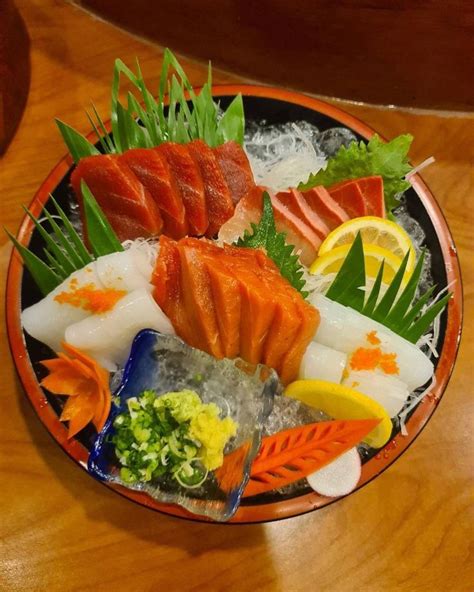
{"type": "Point", "coordinates": [232, 303]}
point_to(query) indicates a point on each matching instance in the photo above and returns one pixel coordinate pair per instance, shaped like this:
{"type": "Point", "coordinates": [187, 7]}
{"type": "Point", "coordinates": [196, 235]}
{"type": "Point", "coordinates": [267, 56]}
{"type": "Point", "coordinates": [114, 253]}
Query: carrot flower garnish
{"type": "Point", "coordinates": [79, 377]}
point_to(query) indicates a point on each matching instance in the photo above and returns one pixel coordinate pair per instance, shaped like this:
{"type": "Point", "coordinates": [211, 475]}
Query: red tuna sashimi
{"type": "Point", "coordinates": [236, 169]}
{"type": "Point", "coordinates": [296, 203]}
{"type": "Point", "coordinates": [128, 206]}
{"type": "Point", "coordinates": [199, 302]}
{"type": "Point", "coordinates": [218, 198]}
{"type": "Point", "coordinates": [350, 198]}
{"type": "Point", "coordinates": [152, 170]}
{"type": "Point", "coordinates": [190, 183]}
{"type": "Point", "coordinates": [372, 190]}
{"type": "Point", "coordinates": [327, 209]}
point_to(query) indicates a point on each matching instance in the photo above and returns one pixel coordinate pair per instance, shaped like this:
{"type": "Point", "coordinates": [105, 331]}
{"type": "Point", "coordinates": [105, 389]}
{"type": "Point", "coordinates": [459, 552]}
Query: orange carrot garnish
{"type": "Point", "coordinates": [89, 297]}
{"type": "Point", "coordinates": [293, 454]}
{"type": "Point", "coordinates": [85, 382]}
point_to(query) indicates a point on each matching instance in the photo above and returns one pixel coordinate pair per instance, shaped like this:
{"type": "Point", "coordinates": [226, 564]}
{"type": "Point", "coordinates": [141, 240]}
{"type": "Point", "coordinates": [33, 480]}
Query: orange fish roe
{"type": "Point", "coordinates": [372, 338]}
{"type": "Point", "coordinates": [90, 298]}
{"type": "Point", "coordinates": [388, 364]}
{"type": "Point", "coordinates": [369, 358]}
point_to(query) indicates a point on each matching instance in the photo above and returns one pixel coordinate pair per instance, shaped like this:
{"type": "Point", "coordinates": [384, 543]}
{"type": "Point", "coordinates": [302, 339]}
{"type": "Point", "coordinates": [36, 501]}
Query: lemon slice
{"type": "Point", "coordinates": [332, 261]}
{"type": "Point", "coordinates": [342, 402]}
{"type": "Point", "coordinates": [375, 231]}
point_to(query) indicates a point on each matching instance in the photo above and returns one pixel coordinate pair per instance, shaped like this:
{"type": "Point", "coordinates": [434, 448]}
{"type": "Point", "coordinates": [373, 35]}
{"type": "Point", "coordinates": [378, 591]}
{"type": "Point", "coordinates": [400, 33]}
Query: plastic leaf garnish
{"type": "Point", "coordinates": [360, 159]}
{"type": "Point", "coordinates": [293, 454]}
{"type": "Point", "coordinates": [65, 251]}
{"type": "Point", "coordinates": [144, 121]}
{"type": "Point", "coordinates": [401, 312]}
{"type": "Point", "coordinates": [265, 235]}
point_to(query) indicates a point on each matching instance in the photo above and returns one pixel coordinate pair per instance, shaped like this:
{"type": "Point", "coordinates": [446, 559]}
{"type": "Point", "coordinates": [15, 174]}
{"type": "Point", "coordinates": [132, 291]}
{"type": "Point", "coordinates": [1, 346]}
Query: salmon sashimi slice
{"type": "Point", "coordinates": [298, 206]}
{"type": "Point", "coordinates": [350, 198]}
{"type": "Point", "coordinates": [128, 206]}
{"type": "Point", "coordinates": [236, 169]}
{"type": "Point", "coordinates": [220, 206]}
{"type": "Point", "coordinates": [168, 290]}
{"type": "Point", "coordinates": [257, 313]}
{"type": "Point", "coordinates": [319, 200]}
{"type": "Point", "coordinates": [372, 191]}
{"type": "Point", "coordinates": [227, 301]}
{"type": "Point", "coordinates": [290, 365]}
{"type": "Point", "coordinates": [153, 172]}
{"type": "Point", "coordinates": [199, 302]}
{"type": "Point", "coordinates": [190, 183]}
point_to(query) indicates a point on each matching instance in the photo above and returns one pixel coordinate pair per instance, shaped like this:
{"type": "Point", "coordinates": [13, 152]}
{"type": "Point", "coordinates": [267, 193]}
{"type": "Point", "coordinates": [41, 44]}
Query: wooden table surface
{"type": "Point", "coordinates": [410, 529]}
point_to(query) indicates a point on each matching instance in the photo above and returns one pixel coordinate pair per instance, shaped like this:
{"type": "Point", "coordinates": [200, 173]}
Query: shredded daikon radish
{"type": "Point", "coordinates": [149, 246]}
{"type": "Point", "coordinates": [415, 400]}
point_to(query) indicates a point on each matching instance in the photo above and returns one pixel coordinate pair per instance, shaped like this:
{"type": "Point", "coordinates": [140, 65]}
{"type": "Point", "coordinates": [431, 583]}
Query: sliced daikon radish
{"type": "Point", "coordinates": [323, 363]}
{"type": "Point", "coordinates": [339, 477]}
{"type": "Point", "coordinates": [48, 319]}
{"type": "Point", "coordinates": [107, 337]}
{"type": "Point", "coordinates": [345, 330]}
{"type": "Point", "coordinates": [387, 390]}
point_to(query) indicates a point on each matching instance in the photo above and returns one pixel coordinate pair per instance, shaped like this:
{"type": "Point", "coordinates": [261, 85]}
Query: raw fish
{"type": "Point", "coordinates": [322, 363]}
{"type": "Point", "coordinates": [389, 391]}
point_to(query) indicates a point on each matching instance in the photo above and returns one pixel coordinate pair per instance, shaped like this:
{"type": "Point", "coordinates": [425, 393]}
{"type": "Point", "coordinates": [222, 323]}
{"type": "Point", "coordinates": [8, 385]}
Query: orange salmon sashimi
{"type": "Point", "coordinates": [199, 302]}
{"type": "Point", "coordinates": [129, 207]}
{"type": "Point", "coordinates": [372, 191]}
{"type": "Point", "coordinates": [190, 183]}
{"type": "Point", "coordinates": [296, 203]}
{"type": "Point", "coordinates": [350, 198]}
{"type": "Point", "coordinates": [320, 202]}
{"type": "Point", "coordinates": [218, 198]}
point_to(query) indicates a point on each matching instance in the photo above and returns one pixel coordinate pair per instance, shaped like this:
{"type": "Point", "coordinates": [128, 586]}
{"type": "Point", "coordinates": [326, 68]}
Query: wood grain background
{"type": "Point", "coordinates": [409, 530]}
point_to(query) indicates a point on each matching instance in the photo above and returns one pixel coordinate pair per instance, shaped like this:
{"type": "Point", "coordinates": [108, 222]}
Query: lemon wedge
{"type": "Point", "coordinates": [342, 402]}
{"type": "Point", "coordinates": [374, 231]}
{"type": "Point", "coordinates": [332, 261]}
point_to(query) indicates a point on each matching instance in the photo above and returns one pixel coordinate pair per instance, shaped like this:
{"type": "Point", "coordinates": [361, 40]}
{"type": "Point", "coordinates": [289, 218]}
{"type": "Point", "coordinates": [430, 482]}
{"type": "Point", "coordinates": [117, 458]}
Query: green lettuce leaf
{"type": "Point", "coordinates": [387, 159]}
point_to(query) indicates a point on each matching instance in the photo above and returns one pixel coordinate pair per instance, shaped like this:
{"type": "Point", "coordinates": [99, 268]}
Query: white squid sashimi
{"type": "Point", "coordinates": [48, 319]}
{"type": "Point", "coordinates": [345, 329]}
{"type": "Point", "coordinates": [322, 363]}
{"type": "Point", "coordinates": [127, 270]}
{"type": "Point", "coordinates": [387, 390]}
{"type": "Point", "coordinates": [107, 337]}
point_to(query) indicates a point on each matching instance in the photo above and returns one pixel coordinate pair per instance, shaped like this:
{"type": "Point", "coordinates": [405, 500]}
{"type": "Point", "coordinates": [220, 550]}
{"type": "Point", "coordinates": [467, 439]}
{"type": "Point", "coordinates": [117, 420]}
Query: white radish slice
{"type": "Point", "coordinates": [339, 477]}
{"type": "Point", "coordinates": [322, 363]}
{"type": "Point", "coordinates": [126, 270]}
{"type": "Point", "coordinates": [48, 319]}
{"type": "Point", "coordinates": [345, 329]}
{"type": "Point", "coordinates": [108, 337]}
{"type": "Point", "coordinates": [389, 391]}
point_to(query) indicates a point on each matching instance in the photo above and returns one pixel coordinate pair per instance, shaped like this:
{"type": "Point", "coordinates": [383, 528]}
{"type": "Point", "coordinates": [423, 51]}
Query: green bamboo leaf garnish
{"type": "Point", "coordinates": [43, 276]}
{"type": "Point", "coordinates": [146, 122]}
{"type": "Point", "coordinates": [102, 238]}
{"type": "Point", "coordinates": [73, 236]}
{"type": "Point", "coordinates": [264, 235]}
{"type": "Point", "coordinates": [346, 287]}
{"type": "Point", "coordinates": [402, 313]}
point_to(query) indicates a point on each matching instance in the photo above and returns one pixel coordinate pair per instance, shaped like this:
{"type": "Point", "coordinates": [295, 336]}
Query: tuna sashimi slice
{"type": "Point", "coordinates": [350, 198]}
{"type": "Point", "coordinates": [218, 198]}
{"type": "Point", "coordinates": [296, 203]}
{"type": "Point", "coordinates": [236, 169]}
{"type": "Point", "coordinates": [319, 200]}
{"type": "Point", "coordinates": [199, 302]}
{"type": "Point", "coordinates": [372, 190]}
{"type": "Point", "coordinates": [129, 207]}
{"type": "Point", "coordinates": [190, 183]}
{"type": "Point", "coordinates": [152, 170]}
